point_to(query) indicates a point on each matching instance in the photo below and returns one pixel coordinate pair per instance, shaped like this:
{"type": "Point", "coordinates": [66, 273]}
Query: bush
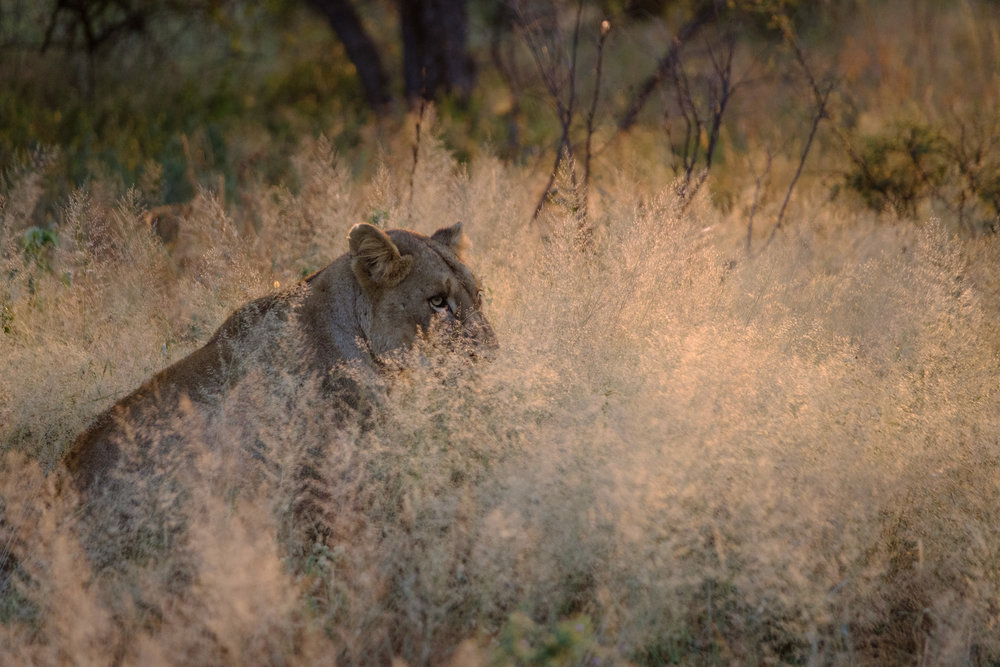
{"type": "Point", "coordinates": [914, 164]}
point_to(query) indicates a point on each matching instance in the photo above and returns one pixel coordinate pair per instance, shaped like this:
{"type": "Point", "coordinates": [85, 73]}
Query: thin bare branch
{"type": "Point", "coordinates": [565, 110]}
{"type": "Point", "coordinates": [820, 115]}
{"type": "Point", "coordinates": [592, 112]}
{"type": "Point", "coordinates": [706, 13]}
{"type": "Point", "coordinates": [758, 181]}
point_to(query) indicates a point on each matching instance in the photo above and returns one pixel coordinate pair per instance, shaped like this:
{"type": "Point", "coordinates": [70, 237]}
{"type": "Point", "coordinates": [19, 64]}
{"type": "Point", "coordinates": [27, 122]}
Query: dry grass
{"type": "Point", "coordinates": [682, 453]}
{"type": "Point", "coordinates": [676, 456]}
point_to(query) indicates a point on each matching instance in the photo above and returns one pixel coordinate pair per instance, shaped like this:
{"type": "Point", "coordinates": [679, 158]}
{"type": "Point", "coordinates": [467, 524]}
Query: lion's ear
{"type": "Point", "coordinates": [377, 261]}
{"type": "Point", "coordinates": [451, 237]}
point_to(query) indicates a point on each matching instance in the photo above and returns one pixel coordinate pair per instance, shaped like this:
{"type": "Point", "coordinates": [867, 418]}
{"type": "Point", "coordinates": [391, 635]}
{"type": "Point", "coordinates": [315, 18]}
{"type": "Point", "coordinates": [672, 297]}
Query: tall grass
{"type": "Point", "coordinates": [680, 454]}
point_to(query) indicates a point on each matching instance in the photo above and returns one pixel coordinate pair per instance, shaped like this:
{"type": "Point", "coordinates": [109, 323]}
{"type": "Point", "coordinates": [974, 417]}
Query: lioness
{"type": "Point", "coordinates": [378, 298]}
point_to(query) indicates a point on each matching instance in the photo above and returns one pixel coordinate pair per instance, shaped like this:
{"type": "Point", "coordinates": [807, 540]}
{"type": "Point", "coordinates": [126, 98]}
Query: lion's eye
{"type": "Point", "coordinates": [439, 303]}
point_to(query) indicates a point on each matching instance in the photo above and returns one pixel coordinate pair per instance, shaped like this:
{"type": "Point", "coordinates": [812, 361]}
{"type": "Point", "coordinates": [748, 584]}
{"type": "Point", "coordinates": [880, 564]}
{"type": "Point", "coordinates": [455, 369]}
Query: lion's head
{"type": "Point", "coordinates": [415, 284]}
{"type": "Point", "coordinates": [390, 289]}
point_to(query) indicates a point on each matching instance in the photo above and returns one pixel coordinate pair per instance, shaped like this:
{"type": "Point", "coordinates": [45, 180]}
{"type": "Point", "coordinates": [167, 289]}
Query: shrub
{"type": "Point", "coordinates": [914, 164]}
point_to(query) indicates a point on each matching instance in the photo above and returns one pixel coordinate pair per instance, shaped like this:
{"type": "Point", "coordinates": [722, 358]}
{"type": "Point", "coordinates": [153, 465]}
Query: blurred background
{"type": "Point", "coordinates": [889, 105]}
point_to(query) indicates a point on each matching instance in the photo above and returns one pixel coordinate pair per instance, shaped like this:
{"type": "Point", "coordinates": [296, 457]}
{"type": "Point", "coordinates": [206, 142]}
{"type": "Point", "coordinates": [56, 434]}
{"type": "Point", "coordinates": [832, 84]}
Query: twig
{"type": "Point", "coordinates": [820, 115]}
{"type": "Point", "coordinates": [692, 122]}
{"type": "Point", "coordinates": [822, 97]}
{"type": "Point", "coordinates": [758, 178]}
{"type": "Point", "coordinates": [695, 126]}
{"type": "Point", "coordinates": [416, 155]}
{"type": "Point", "coordinates": [705, 14]}
{"type": "Point", "coordinates": [605, 29]}
{"type": "Point", "coordinates": [565, 111]}
{"type": "Point", "coordinates": [726, 90]}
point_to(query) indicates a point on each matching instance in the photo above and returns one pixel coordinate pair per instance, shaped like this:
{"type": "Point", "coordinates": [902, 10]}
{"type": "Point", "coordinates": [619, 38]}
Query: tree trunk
{"type": "Point", "coordinates": [360, 49]}
{"type": "Point", "coordinates": [435, 59]}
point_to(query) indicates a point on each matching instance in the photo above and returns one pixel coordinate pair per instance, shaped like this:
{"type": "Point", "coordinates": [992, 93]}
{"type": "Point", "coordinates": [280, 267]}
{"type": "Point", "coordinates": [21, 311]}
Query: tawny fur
{"type": "Point", "coordinates": [361, 307]}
